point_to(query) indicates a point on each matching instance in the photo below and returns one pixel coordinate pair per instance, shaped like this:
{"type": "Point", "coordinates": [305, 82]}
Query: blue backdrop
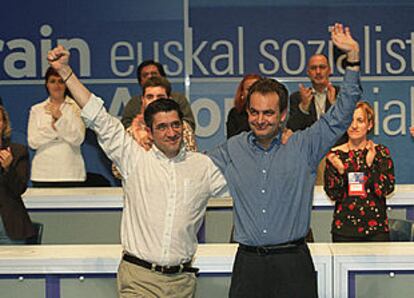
{"type": "Point", "coordinates": [206, 47]}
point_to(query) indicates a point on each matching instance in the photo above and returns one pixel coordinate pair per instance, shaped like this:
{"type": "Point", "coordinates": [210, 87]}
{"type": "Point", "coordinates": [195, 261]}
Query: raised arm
{"type": "Point", "coordinates": [59, 59]}
{"type": "Point", "coordinates": [325, 132]}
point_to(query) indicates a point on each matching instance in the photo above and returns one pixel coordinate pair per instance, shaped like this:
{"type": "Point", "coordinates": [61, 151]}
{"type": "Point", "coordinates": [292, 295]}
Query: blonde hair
{"type": "Point", "coordinates": [6, 123]}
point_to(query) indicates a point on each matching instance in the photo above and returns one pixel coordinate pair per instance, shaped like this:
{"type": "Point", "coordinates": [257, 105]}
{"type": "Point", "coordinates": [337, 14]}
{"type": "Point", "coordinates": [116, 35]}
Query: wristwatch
{"type": "Point", "coordinates": [351, 64]}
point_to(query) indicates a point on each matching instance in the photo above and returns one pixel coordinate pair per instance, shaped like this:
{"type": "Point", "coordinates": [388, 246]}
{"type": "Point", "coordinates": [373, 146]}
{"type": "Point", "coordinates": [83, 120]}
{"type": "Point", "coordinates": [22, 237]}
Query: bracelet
{"type": "Point", "coordinates": [67, 78]}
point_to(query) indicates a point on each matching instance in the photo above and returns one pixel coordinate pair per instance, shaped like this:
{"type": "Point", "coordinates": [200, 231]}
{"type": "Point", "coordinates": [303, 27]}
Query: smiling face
{"type": "Point", "coordinates": [167, 132]}
{"type": "Point", "coordinates": [264, 116]}
{"type": "Point", "coordinates": [319, 71]}
{"type": "Point", "coordinates": [56, 87]}
{"type": "Point", "coordinates": [360, 126]}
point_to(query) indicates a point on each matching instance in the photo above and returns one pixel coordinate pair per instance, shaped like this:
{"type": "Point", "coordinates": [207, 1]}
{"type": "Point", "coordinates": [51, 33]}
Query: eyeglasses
{"type": "Point", "coordinates": [164, 126]}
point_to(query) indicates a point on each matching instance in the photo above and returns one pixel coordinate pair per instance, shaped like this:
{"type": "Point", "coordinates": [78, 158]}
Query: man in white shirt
{"type": "Point", "coordinates": [166, 191]}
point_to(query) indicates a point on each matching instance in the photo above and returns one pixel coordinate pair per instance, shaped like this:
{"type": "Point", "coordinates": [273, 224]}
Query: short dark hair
{"type": "Point", "coordinates": [147, 63]}
{"type": "Point", "coordinates": [52, 72]}
{"type": "Point", "coordinates": [161, 105]}
{"type": "Point", "coordinates": [267, 85]}
{"type": "Point", "coordinates": [157, 82]}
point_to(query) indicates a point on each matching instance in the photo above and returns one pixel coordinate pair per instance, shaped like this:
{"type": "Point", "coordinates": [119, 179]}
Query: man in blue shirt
{"type": "Point", "coordinates": [272, 184]}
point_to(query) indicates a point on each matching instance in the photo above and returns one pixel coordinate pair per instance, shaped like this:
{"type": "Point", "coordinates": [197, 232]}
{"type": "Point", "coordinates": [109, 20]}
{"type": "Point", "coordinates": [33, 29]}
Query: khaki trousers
{"type": "Point", "coordinates": [135, 281]}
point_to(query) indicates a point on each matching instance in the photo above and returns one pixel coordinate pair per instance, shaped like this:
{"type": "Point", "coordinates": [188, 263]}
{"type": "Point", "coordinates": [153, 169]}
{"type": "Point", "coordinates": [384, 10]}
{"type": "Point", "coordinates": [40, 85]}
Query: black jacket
{"type": "Point", "coordinates": [13, 184]}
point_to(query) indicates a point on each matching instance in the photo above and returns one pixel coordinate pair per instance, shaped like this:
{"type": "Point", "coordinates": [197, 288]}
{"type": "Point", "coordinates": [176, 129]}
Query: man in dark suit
{"type": "Point", "coordinates": [308, 104]}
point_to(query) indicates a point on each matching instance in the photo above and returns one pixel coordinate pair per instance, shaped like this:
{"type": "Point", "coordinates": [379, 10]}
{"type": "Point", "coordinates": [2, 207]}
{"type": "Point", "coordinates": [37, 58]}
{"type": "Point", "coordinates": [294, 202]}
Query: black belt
{"type": "Point", "coordinates": [186, 267]}
{"type": "Point", "coordinates": [272, 249]}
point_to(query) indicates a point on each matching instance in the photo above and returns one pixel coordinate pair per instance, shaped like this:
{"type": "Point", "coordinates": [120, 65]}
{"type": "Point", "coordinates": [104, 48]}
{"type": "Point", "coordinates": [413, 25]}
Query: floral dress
{"type": "Point", "coordinates": [365, 215]}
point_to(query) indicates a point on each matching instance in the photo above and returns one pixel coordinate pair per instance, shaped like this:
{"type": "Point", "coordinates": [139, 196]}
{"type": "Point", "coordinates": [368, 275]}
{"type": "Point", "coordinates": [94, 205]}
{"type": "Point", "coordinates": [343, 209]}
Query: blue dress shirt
{"type": "Point", "coordinates": [272, 189]}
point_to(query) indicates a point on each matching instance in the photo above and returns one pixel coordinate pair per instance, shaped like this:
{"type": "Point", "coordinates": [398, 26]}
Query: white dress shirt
{"type": "Point", "coordinates": [58, 156]}
{"type": "Point", "coordinates": [320, 101]}
{"type": "Point", "coordinates": [164, 199]}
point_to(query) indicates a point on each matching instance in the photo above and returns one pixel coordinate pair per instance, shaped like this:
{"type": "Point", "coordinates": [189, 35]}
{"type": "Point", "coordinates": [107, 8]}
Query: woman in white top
{"type": "Point", "coordinates": [56, 132]}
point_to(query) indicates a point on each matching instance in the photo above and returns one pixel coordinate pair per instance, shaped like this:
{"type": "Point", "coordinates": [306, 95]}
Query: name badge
{"type": "Point", "coordinates": [356, 184]}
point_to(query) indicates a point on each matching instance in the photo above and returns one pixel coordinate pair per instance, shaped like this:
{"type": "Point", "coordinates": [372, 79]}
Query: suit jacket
{"type": "Point", "coordinates": [299, 120]}
{"type": "Point", "coordinates": [13, 184]}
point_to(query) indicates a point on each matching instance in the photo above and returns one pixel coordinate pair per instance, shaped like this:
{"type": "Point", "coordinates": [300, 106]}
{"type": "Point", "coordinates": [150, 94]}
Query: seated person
{"type": "Point", "coordinates": [15, 224]}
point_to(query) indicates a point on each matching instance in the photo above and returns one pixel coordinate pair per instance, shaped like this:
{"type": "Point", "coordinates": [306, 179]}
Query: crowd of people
{"type": "Point", "coordinates": [277, 148]}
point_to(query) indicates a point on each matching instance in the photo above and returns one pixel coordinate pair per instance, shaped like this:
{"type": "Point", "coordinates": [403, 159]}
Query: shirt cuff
{"type": "Point", "coordinates": [351, 76]}
{"type": "Point", "coordinates": [91, 110]}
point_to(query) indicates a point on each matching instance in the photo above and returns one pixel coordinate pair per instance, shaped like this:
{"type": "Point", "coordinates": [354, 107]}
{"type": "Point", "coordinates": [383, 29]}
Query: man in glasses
{"type": "Point", "coordinates": [165, 192]}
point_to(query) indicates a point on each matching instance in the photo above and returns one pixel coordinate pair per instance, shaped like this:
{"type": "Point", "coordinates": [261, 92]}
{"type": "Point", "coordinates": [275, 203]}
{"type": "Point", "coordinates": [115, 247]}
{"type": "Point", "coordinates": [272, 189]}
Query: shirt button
{"type": "Point", "coordinates": [264, 211]}
{"type": "Point", "coordinates": [264, 171]}
{"type": "Point", "coordinates": [264, 231]}
{"type": "Point", "coordinates": [263, 190]}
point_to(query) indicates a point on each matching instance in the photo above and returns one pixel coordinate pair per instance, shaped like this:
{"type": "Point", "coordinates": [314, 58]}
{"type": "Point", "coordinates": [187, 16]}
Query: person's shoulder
{"type": "Point", "coordinates": [233, 112]}
{"type": "Point", "coordinates": [382, 148]}
{"type": "Point", "coordinates": [294, 99]}
{"type": "Point", "coordinates": [18, 148]}
{"type": "Point", "coordinates": [178, 96]}
{"type": "Point", "coordinates": [197, 157]}
{"type": "Point", "coordinates": [134, 100]}
{"type": "Point", "coordinates": [343, 148]}
{"type": "Point", "coordinates": [295, 94]}
{"type": "Point", "coordinates": [39, 105]}
{"type": "Point", "coordinates": [70, 100]}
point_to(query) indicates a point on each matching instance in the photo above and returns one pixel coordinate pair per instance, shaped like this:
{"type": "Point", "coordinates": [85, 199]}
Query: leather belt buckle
{"type": "Point", "coordinates": [262, 250]}
{"type": "Point", "coordinates": [154, 267]}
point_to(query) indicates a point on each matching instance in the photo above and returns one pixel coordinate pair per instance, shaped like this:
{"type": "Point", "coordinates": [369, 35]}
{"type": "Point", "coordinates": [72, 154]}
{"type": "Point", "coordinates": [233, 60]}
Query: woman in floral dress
{"type": "Point", "coordinates": [359, 175]}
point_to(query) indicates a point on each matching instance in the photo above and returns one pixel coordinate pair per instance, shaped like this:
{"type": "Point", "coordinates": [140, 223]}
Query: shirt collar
{"type": "Point", "coordinates": [252, 140]}
{"type": "Point", "coordinates": [67, 100]}
{"type": "Point", "coordinates": [324, 91]}
{"type": "Point", "coordinates": [161, 156]}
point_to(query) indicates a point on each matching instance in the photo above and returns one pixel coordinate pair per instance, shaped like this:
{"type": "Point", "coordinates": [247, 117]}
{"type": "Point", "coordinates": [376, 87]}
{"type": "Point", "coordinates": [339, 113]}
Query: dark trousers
{"type": "Point", "coordinates": [380, 237]}
{"type": "Point", "coordinates": [288, 273]}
